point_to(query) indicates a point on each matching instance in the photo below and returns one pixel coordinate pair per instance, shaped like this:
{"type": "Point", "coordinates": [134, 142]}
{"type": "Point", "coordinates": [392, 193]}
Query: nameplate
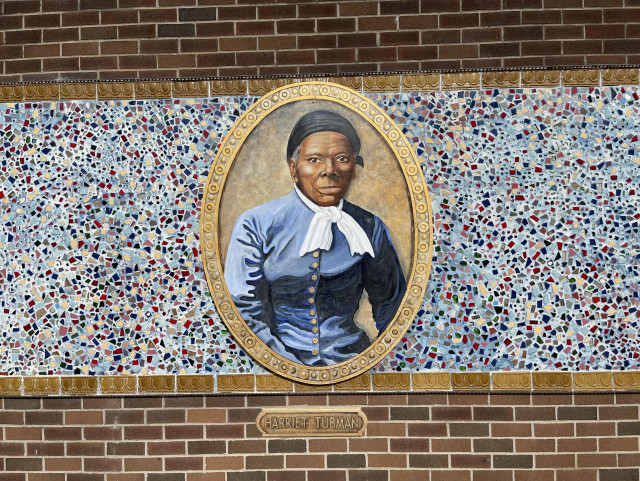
{"type": "Point", "coordinates": [311, 422]}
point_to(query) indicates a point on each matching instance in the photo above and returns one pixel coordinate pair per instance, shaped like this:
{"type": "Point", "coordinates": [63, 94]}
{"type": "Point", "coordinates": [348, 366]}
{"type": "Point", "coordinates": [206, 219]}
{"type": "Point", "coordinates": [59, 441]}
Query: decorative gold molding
{"type": "Point", "coordinates": [510, 79]}
{"type": "Point", "coordinates": [310, 388]}
{"type": "Point", "coordinates": [153, 90]}
{"type": "Point", "coordinates": [358, 383]}
{"type": "Point", "coordinates": [156, 384]}
{"type": "Point", "coordinates": [195, 383]}
{"type": "Point", "coordinates": [461, 80]}
{"type": "Point", "coordinates": [470, 381]}
{"type": "Point", "coordinates": [41, 385]}
{"type": "Point", "coordinates": [118, 385]}
{"type": "Point", "coordinates": [551, 381]}
{"type": "Point", "coordinates": [271, 383]}
{"type": "Point", "coordinates": [190, 89]}
{"type": "Point", "coordinates": [426, 381]}
{"type": "Point", "coordinates": [581, 77]}
{"type": "Point", "coordinates": [592, 381]}
{"type": "Point", "coordinates": [79, 91]}
{"type": "Point", "coordinates": [353, 82]}
{"type": "Point", "coordinates": [236, 383]}
{"type": "Point", "coordinates": [381, 83]}
{"type": "Point", "coordinates": [10, 386]}
{"type": "Point", "coordinates": [263, 86]}
{"type": "Point", "coordinates": [11, 93]}
{"type": "Point", "coordinates": [511, 381]}
{"type": "Point", "coordinates": [420, 83]}
{"type": "Point", "coordinates": [221, 88]}
{"type": "Point", "coordinates": [115, 90]}
{"type": "Point", "coordinates": [391, 381]}
{"type": "Point", "coordinates": [620, 76]}
{"type": "Point", "coordinates": [601, 381]}
{"type": "Point", "coordinates": [626, 381]}
{"type": "Point", "coordinates": [79, 385]}
{"type": "Point", "coordinates": [540, 78]}
{"type": "Point", "coordinates": [410, 82]}
{"type": "Point", "coordinates": [42, 92]}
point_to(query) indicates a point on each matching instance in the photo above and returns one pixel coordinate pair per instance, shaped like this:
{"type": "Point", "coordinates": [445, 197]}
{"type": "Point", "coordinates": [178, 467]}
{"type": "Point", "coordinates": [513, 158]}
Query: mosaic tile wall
{"type": "Point", "coordinates": [537, 240]}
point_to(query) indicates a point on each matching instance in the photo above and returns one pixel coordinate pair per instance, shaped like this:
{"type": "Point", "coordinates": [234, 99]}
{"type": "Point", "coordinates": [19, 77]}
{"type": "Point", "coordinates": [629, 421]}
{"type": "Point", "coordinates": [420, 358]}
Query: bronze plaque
{"type": "Point", "coordinates": [311, 422]}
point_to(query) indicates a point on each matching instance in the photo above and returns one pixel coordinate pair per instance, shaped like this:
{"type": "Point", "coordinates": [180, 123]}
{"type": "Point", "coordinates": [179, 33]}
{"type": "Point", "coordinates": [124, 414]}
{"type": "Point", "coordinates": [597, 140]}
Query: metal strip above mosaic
{"type": "Point", "coordinates": [483, 382]}
{"type": "Point", "coordinates": [408, 82]}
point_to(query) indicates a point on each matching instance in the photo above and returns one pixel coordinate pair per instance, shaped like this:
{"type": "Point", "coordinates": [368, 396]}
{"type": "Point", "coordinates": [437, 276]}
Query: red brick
{"type": "Point", "coordinates": [450, 475]}
{"type": "Point", "coordinates": [21, 6]}
{"type": "Point", "coordinates": [253, 58]}
{"type": "Point", "coordinates": [143, 463]}
{"type": "Point", "coordinates": [459, 20]}
{"type": "Point", "coordinates": [255, 28]}
{"type": "Point", "coordinates": [276, 11]}
{"type": "Point", "coordinates": [19, 433]}
{"type": "Point", "coordinates": [225, 463]}
{"type": "Point", "coordinates": [618, 444]}
{"type": "Point", "coordinates": [100, 433]}
{"type": "Point", "coordinates": [577, 475]}
{"type": "Point", "coordinates": [336, 25]}
{"type": "Point", "coordinates": [535, 445]}
{"type": "Point", "coordinates": [156, 15]}
{"type": "Point", "coordinates": [357, 9]}
{"type": "Point", "coordinates": [23, 36]}
{"type": "Point", "coordinates": [579, 445]}
{"type": "Point", "coordinates": [80, 18]}
{"type": "Point", "coordinates": [554, 460]}
{"type": "Point", "coordinates": [102, 465]}
{"type": "Point", "coordinates": [42, 21]}
{"type": "Point", "coordinates": [450, 445]}
{"type": "Point", "coordinates": [376, 23]}
{"type": "Point", "coordinates": [376, 54]}
{"type": "Point", "coordinates": [317, 10]}
{"type": "Point", "coordinates": [237, 13]}
{"type": "Point", "coordinates": [457, 51]}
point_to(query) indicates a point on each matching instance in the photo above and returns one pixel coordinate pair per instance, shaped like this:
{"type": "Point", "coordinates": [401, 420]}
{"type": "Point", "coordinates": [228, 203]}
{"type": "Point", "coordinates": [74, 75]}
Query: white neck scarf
{"type": "Point", "coordinates": [319, 235]}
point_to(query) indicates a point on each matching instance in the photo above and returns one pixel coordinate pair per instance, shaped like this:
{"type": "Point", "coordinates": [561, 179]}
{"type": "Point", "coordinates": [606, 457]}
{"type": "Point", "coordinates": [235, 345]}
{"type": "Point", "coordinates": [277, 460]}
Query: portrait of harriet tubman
{"type": "Point", "coordinates": [296, 266]}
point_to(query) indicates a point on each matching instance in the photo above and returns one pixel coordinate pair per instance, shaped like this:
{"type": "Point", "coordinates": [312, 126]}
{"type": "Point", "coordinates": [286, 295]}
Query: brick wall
{"type": "Point", "coordinates": [107, 39]}
{"type": "Point", "coordinates": [449, 437]}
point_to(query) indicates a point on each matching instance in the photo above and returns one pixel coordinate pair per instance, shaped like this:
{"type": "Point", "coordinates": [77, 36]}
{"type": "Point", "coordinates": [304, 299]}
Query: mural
{"type": "Point", "coordinates": [300, 258]}
{"type": "Point", "coordinates": [536, 261]}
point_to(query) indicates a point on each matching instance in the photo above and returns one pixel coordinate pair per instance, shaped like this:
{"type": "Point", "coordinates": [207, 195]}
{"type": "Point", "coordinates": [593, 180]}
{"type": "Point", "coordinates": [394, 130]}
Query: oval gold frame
{"type": "Point", "coordinates": [422, 232]}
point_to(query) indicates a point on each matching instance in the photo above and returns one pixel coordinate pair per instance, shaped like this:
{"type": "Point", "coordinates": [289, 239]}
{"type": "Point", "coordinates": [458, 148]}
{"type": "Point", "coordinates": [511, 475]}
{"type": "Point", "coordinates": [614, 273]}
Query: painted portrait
{"type": "Point", "coordinates": [315, 231]}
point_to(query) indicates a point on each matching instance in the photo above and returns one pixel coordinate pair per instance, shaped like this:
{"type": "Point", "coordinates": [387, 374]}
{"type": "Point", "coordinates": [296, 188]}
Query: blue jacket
{"type": "Point", "coordinates": [303, 307]}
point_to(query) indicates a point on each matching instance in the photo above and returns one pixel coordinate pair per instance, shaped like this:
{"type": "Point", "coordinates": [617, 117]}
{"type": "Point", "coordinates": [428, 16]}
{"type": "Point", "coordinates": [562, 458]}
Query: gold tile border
{"type": "Point", "coordinates": [551, 381]}
{"type": "Point", "coordinates": [271, 383]}
{"type": "Point", "coordinates": [116, 90]}
{"type": "Point", "coordinates": [196, 88]}
{"type": "Point", "coordinates": [426, 381]}
{"type": "Point", "coordinates": [358, 383]}
{"type": "Point", "coordinates": [78, 91]}
{"type": "Point", "coordinates": [511, 381]}
{"type": "Point", "coordinates": [619, 76]}
{"type": "Point", "coordinates": [470, 381]}
{"type": "Point", "coordinates": [163, 384]}
{"type": "Point", "coordinates": [79, 385]}
{"type": "Point", "coordinates": [153, 89]}
{"type": "Point", "coordinates": [508, 79]}
{"type": "Point", "coordinates": [201, 383]}
{"type": "Point", "coordinates": [391, 381]}
{"type": "Point", "coordinates": [228, 87]}
{"type": "Point", "coordinates": [236, 383]}
{"type": "Point", "coordinates": [626, 381]}
{"type": "Point", "coordinates": [420, 83]}
{"type": "Point", "coordinates": [125, 384]}
{"type": "Point", "coordinates": [42, 92]}
{"type": "Point", "coordinates": [383, 82]}
{"type": "Point", "coordinates": [581, 77]}
{"type": "Point", "coordinates": [41, 385]}
{"type": "Point", "coordinates": [157, 384]}
{"type": "Point", "coordinates": [592, 381]}
{"type": "Point", "coordinates": [540, 78]}
{"type": "Point", "coordinates": [10, 386]}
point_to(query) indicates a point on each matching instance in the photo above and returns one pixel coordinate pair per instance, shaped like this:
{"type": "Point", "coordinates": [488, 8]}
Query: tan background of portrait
{"type": "Point", "coordinates": [260, 173]}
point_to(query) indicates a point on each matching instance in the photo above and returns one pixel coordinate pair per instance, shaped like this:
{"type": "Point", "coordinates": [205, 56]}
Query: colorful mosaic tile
{"type": "Point", "coordinates": [537, 239]}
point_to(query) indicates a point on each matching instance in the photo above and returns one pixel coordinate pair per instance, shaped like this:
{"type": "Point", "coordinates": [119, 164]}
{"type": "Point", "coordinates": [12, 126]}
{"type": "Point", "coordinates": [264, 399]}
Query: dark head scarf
{"type": "Point", "coordinates": [323, 121]}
